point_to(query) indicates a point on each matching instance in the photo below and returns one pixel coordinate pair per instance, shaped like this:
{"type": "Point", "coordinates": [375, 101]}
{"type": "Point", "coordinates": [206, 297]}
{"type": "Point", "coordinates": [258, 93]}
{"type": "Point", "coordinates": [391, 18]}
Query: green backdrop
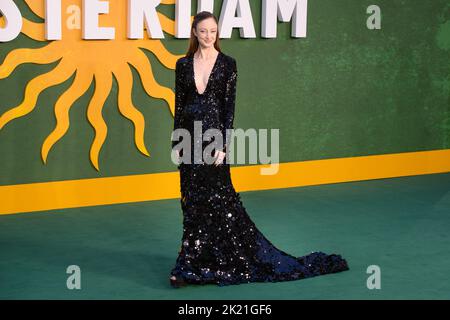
{"type": "Point", "coordinates": [343, 91]}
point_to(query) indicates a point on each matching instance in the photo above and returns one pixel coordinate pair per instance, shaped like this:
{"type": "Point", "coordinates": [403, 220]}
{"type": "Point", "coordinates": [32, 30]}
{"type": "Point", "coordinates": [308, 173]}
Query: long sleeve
{"type": "Point", "coordinates": [229, 106]}
{"type": "Point", "coordinates": [180, 94]}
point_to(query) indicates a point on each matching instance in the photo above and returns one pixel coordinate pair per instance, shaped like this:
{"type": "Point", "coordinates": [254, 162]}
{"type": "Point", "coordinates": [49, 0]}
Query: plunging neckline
{"type": "Point", "coordinates": [209, 77]}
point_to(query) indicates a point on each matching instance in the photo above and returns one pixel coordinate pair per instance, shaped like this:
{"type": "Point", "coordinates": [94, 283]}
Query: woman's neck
{"type": "Point", "coordinates": [205, 54]}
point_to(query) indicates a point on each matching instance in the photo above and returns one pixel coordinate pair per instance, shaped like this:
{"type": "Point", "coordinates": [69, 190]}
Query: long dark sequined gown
{"type": "Point", "coordinates": [220, 243]}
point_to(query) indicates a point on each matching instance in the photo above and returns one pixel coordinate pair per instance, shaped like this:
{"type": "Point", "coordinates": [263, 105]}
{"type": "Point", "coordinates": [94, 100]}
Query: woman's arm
{"type": "Point", "coordinates": [230, 99]}
{"type": "Point", "coordinates": [180, 94]}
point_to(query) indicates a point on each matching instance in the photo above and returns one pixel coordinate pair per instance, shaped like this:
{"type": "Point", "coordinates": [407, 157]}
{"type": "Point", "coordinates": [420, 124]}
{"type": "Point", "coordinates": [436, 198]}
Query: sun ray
{"type": "Point", "coordinates": [44, 55]}
{"type": "Point", "coordinates": [80, 85]}
{"type": "Point", "coordinates": [33, 30]}
{"type": "Point", "coordinates": [140, 61]}
{"type": "Point", "coordinates": [164, 56]}
{"type": "Point", "coordinates": [126, 107]}
{"type": "Point", "coordinates": [34, 88]}
{"type": "Point", "coordinates": [167, 24]}
{"type": "Point", "coordinates": [99, 60]}
{"type": "Point", "coordinates": [37, 7]}
{"type": "Point", "coordinates": [103, 84]}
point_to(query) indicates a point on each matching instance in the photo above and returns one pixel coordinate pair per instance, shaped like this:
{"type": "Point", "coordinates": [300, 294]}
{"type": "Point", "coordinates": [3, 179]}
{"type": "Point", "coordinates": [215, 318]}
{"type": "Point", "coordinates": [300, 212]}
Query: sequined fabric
{"type": "Point", "coordinates": [220, 243]}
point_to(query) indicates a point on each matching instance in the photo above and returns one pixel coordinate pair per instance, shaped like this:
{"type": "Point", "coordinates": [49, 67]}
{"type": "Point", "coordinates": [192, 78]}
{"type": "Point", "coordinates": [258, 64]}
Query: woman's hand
{"type": "Point", "coordinates": [219, 155]}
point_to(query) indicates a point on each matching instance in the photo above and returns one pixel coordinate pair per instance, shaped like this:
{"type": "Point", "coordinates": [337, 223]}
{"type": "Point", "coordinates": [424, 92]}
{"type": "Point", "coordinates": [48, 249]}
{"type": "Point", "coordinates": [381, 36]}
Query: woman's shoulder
{"type": "Point", "coordinates": [228, 59]}
{"type": "Point", "coordinates": [181, 62]}
{"type": "Point", "coordinates": [229, 63]}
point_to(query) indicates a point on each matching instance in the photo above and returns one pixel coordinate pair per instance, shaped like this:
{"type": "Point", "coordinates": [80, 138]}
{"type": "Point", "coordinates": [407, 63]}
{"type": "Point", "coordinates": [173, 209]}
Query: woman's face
{"type": "Point", "coordinates": [206, 32]}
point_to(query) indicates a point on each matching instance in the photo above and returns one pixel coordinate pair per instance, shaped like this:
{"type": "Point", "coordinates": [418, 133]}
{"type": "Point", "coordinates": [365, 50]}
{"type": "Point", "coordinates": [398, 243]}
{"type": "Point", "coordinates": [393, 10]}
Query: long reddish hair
{"type": "Point", "coordinates": [193, 41]}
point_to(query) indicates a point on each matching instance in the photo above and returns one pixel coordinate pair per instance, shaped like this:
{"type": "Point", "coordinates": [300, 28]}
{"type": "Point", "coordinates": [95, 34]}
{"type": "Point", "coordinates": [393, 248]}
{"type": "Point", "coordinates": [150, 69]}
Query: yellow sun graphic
{"type": "Point", "coordinates": [92, 60]}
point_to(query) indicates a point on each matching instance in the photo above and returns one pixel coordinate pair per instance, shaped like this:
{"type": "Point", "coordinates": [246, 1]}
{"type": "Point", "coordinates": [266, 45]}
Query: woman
{"type": "Point", "coordinates": [220, 243]}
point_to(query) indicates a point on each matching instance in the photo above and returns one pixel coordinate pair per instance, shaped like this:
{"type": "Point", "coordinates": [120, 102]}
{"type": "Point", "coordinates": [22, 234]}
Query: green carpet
{"type": "Point", "coordinates": [126, 251]}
